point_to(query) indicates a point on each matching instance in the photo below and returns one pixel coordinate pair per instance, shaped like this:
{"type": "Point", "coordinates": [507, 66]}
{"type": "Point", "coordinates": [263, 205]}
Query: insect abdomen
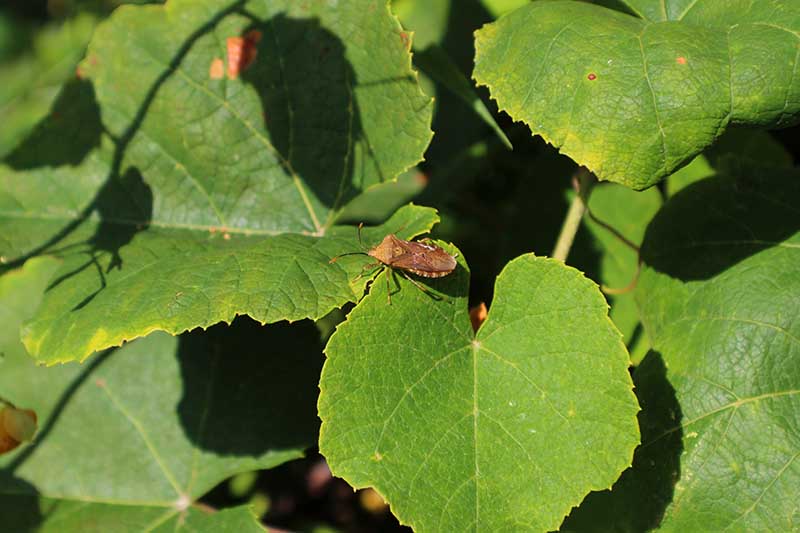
{"type": "Point", "coordinates": [429, 274]}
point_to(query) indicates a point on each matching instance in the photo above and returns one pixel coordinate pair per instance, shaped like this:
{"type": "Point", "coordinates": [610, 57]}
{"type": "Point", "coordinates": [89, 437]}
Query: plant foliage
{"type": "Point", "coordinates": [182, 221]}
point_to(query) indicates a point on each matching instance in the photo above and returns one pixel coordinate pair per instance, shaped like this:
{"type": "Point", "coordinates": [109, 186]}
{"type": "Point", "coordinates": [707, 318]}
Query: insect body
{"type": "Point", "coordinates": [422, 258]}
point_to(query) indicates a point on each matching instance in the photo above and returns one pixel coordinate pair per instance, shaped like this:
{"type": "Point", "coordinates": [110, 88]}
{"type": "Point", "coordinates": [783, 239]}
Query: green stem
{"type": "Point", "coordinates": [584, 181]}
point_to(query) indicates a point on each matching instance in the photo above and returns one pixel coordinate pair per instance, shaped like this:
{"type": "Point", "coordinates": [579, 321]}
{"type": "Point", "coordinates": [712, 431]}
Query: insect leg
{"type": "Point", "coordinates": [421, 287]}
{"type": "Point", "coordinates": [365, 269]}
{"type": "Point", "coordinates": [388, 273]}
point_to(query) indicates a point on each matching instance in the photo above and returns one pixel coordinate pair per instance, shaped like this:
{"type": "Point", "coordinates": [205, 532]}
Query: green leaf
{"type": "Point", "coordinates": [179, 200]}
{"type": "Point", "coordinates": [634, 99]}
{"type": "Point", "coordinates": [504, 429]}
{"type": "Point", "coordinates": [719, 301]}
{"type": "Point", "coordinates": [140, 433]}
{"type": "Point", "coordinates": [619, 213]}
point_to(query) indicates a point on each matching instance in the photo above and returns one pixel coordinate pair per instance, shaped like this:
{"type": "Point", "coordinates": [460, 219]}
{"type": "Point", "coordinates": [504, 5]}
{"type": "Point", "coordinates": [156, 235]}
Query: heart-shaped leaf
{"type": "Point", "coordinates": [153, 170]}
{"type": "Point", "coordinates": [488, 431]}
{"type": "Point", "coordinates": [633, 99]}
{"type": "Point", "coordinates": [719, 299]}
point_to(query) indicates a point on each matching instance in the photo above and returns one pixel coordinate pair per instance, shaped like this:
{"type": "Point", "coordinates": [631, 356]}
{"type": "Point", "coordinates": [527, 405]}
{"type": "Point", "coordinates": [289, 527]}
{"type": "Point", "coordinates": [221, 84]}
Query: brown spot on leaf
{"type": "Point", "coordinates": [680, 60]}
{"type": "Point", "coordinates": [242, 52]}
{"type": "Point", "coordinates": [217, 69]}
{"type": "Point", "coordinates": [592, 76]}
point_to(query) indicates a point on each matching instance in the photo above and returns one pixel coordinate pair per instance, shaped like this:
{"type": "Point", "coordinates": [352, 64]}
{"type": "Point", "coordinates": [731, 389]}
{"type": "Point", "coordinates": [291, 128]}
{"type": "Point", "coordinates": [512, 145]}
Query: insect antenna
{"type": "Point", "coordinates": [335, 258]}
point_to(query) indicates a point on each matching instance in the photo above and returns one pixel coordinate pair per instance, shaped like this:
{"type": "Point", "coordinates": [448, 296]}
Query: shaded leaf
{"type": "Point", "coordinates": [312, 121]}
{"type": "Point", "coordinates": [634, 99]}
{"type": "Point", "coordinates": [735, 149]}
{"type": "Point", "coordinates": [447, 26]}
{"type": "Point", "coordinates": [719, 301]}
{"type": "Point", "coordinates": [202, 407]}
{"type": "Point", "coordinates": [462, 431]}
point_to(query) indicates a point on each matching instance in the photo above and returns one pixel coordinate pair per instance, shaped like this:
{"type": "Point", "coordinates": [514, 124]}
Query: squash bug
{"type": "Point", "coordinates": [422, 258]}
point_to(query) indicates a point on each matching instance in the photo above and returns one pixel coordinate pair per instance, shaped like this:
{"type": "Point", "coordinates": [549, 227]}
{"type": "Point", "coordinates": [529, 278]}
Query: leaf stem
{"type": "Point", "coordinates": [583, 182]}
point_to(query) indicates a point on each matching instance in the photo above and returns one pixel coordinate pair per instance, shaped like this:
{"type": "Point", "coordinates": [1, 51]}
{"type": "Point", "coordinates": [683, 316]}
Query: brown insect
{"type": "Point", "coordinates": [422, 258]}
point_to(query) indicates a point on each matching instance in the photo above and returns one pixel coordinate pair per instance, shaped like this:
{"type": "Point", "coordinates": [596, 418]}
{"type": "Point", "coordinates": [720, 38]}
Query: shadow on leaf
{"type": "Point", "coordinates": [717, 222]}
{"type": "Point", "coordinates": [20, 507]}
{"type": "Point", "coordinates": [67, 135]}
{"type": "Point", "coordinates": [124, 203]}
{"type": "Point", "coordinates": [250, 389]}
{"type": "Point", "coordinates": [306, 86]}
{"type": "Point", "coordinates": [638, 499]}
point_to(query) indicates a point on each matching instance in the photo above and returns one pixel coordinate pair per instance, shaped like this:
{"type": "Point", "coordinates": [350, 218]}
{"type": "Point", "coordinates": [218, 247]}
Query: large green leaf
{"type": "Point", "coordinates": [504, 429]}
{"type": "Point", "coordinates": [157, 181]}
{"type": "Point", "coordinates": [719, 300]}
{"type": "Point", "coordinates": [633, 99]}
{"type": "Point", "coordinates": [141, 433]}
